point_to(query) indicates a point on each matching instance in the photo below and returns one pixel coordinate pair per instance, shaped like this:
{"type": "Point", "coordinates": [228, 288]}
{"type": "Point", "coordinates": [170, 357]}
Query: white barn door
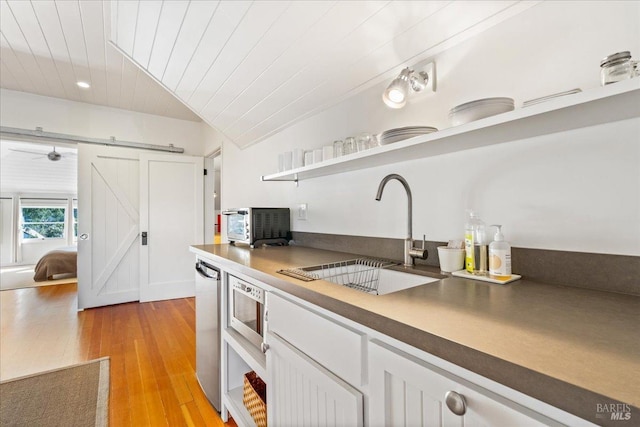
{"type": "Point", "coordinates": [121, 193]}
{"type": "Point", "coordinates": [108, 225]}
{"type": "Point", "coordinates": [171, 215]}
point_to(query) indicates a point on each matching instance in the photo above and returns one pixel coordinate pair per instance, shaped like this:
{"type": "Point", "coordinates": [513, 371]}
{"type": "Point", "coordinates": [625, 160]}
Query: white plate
{"type": "Point", "coordinates": [479, 103]}
{"type": "Point", "coordinates": [409, 129]}
{"type": "Point", "coordinates": [549, 97]}
{"type": "Point", "coordinates": [396, 138]}
{"type": "Point", "coordinates": [480, 109]}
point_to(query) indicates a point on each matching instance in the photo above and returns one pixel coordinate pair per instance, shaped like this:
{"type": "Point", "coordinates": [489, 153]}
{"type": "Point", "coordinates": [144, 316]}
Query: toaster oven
{"type": "Point", "coordinates": [258, 226]}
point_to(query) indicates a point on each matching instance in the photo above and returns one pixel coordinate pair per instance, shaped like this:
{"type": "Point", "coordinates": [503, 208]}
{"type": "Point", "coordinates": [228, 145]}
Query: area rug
{"type": "Point", "coordinates": [77, 395]}
{"type": "Point", "coordinates": [18, 277]}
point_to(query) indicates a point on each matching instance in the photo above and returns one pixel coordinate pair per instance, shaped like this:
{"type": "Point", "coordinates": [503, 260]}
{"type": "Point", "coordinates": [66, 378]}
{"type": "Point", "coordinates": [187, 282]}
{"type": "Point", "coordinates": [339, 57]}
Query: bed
{"type": "Point", "coordinates": [61, 261]}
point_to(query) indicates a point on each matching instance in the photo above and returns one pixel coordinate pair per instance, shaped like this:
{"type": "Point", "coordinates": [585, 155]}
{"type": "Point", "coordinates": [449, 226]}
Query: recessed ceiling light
{"type": "Point", "coordinates": [83, 85]}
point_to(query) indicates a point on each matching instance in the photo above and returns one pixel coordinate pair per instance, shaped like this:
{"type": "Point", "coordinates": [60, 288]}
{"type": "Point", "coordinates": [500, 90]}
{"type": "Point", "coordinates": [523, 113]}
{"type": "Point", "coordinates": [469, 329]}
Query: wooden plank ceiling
{"type": "Point", "coordinates": [47, 46]}
{"type": "Point", "coordinates": [247, 68]}
{"type": "Point", "coordinates": [25, 168]}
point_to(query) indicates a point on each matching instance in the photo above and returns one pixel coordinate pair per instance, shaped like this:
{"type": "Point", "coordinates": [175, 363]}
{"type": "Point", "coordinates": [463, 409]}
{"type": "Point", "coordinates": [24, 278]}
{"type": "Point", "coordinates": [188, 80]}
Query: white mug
{"type": "Point", "coordinates": [288, 160]}
{"type": "Point", "coordinates": [317, 155]}
{"type": "Point", "coordinates": [280, 162]}
{"type": "Point", "coordinates": [327, 152]}
{"type": "Point", "coordinates": [308, 158]}
{"type": "Point", "coordinates": [451, 259]}
{"type": "Point", "coordinates": [298, 158]}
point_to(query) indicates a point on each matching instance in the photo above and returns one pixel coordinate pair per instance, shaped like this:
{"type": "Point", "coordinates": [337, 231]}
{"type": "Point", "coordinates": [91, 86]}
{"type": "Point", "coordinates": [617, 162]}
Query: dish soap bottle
{"type": "Point", "coordinates": [475, 244]}
{"type": "Point", "coordinates": [499, 256]}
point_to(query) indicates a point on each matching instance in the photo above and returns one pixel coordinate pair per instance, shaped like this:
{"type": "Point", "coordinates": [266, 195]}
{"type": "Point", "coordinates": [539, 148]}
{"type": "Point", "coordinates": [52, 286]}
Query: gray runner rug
{"type": "Point", "coordinates": [76, 395]}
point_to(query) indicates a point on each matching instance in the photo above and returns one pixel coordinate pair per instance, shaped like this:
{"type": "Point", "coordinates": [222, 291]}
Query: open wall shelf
{"type": "Point", "coordinates": [618, 101]}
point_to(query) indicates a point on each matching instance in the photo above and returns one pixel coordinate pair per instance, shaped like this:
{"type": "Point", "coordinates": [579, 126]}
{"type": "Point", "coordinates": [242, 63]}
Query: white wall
{"type": "Point", "coordinates": [28, 111]}
{"type": "Point", "coordinates": [577, 191]}
{"type": "Point", "coordinates": [212, 139]}
{"type": "Point", "coordinates": [31, 252]}
{"type": "Point", "coordinates": [6, 230]}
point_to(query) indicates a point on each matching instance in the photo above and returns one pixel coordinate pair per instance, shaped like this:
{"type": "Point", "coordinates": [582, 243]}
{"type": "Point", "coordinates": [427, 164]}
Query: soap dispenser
{"type": "Point", "coordinates": [499, 256]}
{"type": "Point", "coordinates": [475, 245]}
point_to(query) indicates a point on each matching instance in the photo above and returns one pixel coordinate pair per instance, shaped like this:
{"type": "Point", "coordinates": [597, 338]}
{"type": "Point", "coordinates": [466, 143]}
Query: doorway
{"type": "Point", "coordinates": [38, 199]}
{"type": "Point", "coordinates": [212, 217]}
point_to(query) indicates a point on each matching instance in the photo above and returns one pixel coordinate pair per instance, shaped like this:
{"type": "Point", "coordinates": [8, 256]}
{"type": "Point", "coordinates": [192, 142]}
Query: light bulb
{"type": "Point", "coordinates": [408, 81]}
{"type": "Point", "coordinates": [396, 95]}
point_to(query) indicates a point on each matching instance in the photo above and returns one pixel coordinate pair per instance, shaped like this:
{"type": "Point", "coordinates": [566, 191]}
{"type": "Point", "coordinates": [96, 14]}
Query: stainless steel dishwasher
{"type": "Point", "coordinates": [208, 283]}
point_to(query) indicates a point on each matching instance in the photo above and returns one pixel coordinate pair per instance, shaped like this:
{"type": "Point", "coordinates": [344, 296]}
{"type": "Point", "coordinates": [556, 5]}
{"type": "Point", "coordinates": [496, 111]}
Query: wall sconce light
{"type": "Point", "coordinates": [396, 94]}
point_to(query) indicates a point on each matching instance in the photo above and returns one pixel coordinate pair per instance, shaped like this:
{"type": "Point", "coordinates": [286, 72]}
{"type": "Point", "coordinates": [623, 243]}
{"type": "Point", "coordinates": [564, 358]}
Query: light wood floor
{"type": "Point", "coordinates": [151, 346]}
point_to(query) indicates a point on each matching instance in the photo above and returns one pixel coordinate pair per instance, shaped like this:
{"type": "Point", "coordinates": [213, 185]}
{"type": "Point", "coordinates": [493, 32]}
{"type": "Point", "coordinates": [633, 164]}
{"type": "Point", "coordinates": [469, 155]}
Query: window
{"type": "Point", "coordinates": [75, 220]}
{"type": "Point", "coordinates": [43, 223]}
{"type": "Point", "coordinates": [42, 219]}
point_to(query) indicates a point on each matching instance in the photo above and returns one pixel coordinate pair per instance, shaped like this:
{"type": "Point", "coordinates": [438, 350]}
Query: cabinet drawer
{"type": "Point", "coordinates": [331, 344]}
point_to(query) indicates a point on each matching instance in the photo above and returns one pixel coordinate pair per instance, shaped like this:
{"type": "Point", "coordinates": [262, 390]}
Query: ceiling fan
{"type": "Point", "coordinates": [53, 155]}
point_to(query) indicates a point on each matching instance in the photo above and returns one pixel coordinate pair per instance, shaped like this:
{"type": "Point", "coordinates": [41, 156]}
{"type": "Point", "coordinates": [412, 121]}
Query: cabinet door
{"type": "Point", "coordinates": [406, 391]}
{"type": "Point", "coordinates": [300, 392]}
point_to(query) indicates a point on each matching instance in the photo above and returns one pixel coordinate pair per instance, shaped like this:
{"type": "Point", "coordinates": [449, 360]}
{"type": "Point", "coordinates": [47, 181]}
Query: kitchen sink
{"type": "Point", "coordinates": [364, 274]}
{"type": "Point", "coordinates": [393, 281]}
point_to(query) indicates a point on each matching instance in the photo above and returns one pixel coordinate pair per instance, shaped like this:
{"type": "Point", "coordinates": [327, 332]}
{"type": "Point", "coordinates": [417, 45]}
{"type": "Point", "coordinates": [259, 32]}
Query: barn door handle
{"type": "Point", "coordinates": [144, 238]}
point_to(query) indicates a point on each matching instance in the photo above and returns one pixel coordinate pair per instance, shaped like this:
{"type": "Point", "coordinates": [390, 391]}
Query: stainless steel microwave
{"type": "Point", "coordinates": [258, 226]}
{"type": "Point", "coordinates": [246, 310]}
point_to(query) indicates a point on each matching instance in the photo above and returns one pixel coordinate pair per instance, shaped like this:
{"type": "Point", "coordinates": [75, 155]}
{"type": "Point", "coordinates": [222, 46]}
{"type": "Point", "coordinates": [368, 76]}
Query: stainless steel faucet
{"type": "Point", "coordinates": [409, 251]}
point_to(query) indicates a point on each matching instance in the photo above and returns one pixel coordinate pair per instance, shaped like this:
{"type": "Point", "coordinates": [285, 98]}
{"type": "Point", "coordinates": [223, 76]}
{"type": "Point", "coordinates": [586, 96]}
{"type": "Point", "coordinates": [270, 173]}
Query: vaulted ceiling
{"type": "Point", "coordinates": [47, 46]}
{"type": "Point", "coordinates": [247, 68]}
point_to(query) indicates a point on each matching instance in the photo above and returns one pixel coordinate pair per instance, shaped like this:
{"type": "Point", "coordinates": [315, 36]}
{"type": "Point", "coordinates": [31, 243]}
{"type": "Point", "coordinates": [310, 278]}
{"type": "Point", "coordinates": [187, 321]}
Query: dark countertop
{"type": "Point", "coordinates": [572, 348]}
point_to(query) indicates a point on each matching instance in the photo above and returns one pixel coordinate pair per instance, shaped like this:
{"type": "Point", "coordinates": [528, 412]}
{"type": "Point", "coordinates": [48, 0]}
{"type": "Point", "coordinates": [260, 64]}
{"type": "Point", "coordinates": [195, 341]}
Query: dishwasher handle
{"type": "Point", "coordinates": [203, 269]}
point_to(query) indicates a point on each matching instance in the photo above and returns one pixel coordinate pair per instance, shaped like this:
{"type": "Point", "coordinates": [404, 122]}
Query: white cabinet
{"type": "Point", "coordinates": [313, 364]}
{"type": "Point", "coordinates": [334, 345]}
{"type": "Point", "coordinates": [302, 392]}
{"type": "Point", "coordinates": [406, 391]}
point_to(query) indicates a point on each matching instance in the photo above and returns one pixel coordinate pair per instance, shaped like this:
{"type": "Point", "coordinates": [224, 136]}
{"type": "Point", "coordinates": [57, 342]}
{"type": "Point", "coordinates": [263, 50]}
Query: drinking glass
{"type": "Point", "coordinates": [363, 141]}
{"type": "Point", "coordinates": [338, 148]}
{"type": "Point", "coordinates": [349, 145]}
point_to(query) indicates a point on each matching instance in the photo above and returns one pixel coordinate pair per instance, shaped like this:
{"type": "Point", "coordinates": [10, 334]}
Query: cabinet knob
{"type": "Point", "coordinates": [264, 347]}
{"type": "Point", "coordinates": [456, 403]}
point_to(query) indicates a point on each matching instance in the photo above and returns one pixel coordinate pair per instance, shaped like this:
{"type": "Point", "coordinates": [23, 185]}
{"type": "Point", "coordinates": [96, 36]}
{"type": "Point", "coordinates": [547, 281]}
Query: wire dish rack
{"type": "Point", "coordinates": [362, 273]}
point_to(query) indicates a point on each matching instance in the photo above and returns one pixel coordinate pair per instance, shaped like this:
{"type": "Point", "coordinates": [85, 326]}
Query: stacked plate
{"type": "Point", "coordinates": [549, 97]}
{"type": "Point", "coordinates": [479, 109]}
{"type": "Point", "coordinates": [398, 134]}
